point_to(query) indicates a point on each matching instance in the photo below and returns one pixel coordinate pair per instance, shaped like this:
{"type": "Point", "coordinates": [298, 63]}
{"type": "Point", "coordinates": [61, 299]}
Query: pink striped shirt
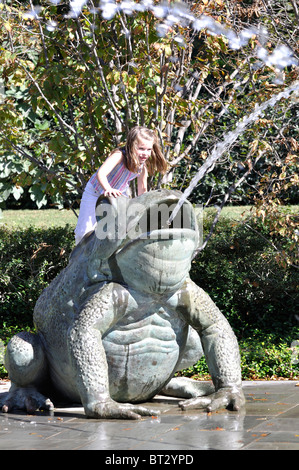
{"type": "Point", "coordinates": [118, 178]}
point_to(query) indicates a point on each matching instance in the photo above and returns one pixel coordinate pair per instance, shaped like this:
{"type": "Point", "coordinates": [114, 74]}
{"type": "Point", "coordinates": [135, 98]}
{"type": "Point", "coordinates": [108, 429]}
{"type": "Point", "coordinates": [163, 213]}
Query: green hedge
{"type": "Point", "coordinates": [29, 260]}
{"type": "Point", "coordinates": [258, 297]}
{"type": "Point", "coordinates": [237, 268]}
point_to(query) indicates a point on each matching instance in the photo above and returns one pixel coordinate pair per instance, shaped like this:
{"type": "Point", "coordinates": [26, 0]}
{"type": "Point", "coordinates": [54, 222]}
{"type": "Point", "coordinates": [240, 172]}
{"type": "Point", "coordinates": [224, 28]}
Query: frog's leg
{"type": "Point", "coordinates": [88, 356]}
{"type": "Point", "coordinates": [220, 347]}
{"type": "Point", "coordinates": [27, 367]}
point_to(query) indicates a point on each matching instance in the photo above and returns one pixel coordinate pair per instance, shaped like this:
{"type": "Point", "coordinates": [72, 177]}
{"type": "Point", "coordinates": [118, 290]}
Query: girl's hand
{"type": "Point", "coordinates": [112, 192]}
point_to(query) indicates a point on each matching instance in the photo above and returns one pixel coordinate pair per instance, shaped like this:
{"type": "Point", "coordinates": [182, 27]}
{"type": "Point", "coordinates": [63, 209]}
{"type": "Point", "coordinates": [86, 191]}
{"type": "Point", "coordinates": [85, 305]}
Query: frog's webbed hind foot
{"type": "Point", "coordinates": [184, 387]}
{"type": "Point", "coordinates": [27, 399]}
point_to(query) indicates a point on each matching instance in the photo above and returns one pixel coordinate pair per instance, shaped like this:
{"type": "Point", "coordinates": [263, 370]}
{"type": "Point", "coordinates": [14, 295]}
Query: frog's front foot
{"type": "Point", "coordinates": [110, 409]}
{"type": "Point", "coordinates": [27, 399]}
{"type": "Point", "coordinates": [226, 397]}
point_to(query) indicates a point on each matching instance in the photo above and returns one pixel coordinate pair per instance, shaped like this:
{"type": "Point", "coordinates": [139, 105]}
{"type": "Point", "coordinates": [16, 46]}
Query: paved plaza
{"type": "Point", "coordinates": [270, 421]}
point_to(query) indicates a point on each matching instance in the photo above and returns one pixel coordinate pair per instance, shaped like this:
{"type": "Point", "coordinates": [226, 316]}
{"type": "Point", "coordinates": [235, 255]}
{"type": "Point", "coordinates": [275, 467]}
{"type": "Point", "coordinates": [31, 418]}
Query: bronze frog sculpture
{"type": "Point", "coordinates": [117, 323]}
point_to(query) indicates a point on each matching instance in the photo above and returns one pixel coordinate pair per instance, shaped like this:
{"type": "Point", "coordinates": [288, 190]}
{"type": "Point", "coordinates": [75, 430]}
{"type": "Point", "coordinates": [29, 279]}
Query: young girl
{"type": "Point", "coordinates": [140, 156]}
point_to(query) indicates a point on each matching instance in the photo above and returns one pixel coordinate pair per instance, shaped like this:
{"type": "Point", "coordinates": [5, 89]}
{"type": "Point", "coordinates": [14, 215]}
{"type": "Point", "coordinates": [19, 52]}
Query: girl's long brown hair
{"type": "Point", "coordinates": [156, 162]}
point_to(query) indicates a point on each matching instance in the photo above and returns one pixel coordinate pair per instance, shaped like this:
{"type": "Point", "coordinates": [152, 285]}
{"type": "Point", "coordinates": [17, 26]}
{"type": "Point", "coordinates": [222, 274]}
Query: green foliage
{"type": "Point", "coordinates": [29, 260]}
{"type": "Point", "coordinates": [239, 270]}
{"type": "Point", "coordinates": [262, 358]}
{"type": "Point", "coordinates": [72, 92]}
{"type": "Point", "coordinates": [259, 297]}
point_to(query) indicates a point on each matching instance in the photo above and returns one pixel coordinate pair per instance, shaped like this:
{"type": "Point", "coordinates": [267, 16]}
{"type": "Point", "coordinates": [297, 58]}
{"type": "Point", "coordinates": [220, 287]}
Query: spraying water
{"type": "Point", "coordinates": [176, 13]}
{"type": "Point", "coordinates": [228, 140]}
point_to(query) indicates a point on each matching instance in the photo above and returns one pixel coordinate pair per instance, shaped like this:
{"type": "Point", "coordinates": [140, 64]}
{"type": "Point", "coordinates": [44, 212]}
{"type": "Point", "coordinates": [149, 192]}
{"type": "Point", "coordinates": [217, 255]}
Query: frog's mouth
{"type": "Point", "coordinates": [154, 256]}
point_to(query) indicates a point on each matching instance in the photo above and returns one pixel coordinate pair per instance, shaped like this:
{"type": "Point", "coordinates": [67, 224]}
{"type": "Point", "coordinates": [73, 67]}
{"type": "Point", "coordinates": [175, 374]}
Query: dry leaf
{"type": "Point", "coordinates": [7, 26]}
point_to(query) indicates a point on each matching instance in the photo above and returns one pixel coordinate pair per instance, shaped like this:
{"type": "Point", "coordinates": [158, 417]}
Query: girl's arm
{"type": "Point", "coordinates": [142, 181]}
{"type": "Point", "coordinates": [104, 171]}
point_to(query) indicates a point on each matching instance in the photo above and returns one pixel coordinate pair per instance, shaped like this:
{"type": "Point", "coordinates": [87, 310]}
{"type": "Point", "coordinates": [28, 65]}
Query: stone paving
{"type": "Point", "coordinates": [270, 421]}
